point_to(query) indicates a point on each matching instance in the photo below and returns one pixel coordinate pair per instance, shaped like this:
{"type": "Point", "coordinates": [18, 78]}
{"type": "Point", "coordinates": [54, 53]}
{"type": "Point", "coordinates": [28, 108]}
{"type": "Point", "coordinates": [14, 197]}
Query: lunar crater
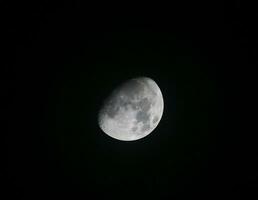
{"type": "Point", "coordinates": [134, 128]}
{"type": "Point", "coordinates": [142, 116]}
{"type": "Point", "coordinates": [155, 119]}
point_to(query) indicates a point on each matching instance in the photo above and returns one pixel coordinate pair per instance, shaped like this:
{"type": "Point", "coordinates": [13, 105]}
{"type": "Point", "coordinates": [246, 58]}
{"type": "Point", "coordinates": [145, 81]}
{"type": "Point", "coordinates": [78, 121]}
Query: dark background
{"type": "Point", "coordinates": [62, 59]}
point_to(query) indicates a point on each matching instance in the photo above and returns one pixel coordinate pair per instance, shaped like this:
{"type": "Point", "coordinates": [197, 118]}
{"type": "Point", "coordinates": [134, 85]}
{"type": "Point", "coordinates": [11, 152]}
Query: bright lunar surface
{"type": "Point", "coordinates": [133, 110]}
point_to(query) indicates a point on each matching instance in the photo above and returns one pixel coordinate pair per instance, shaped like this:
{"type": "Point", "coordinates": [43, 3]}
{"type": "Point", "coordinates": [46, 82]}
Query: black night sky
{"type": "Point", "coordinates": [61, 61]}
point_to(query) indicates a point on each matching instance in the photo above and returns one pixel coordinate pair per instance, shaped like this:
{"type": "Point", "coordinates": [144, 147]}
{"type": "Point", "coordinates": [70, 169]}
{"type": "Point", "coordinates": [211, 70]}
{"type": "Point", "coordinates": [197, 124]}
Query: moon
{"type": "Point", "coordinates": [133, 110]}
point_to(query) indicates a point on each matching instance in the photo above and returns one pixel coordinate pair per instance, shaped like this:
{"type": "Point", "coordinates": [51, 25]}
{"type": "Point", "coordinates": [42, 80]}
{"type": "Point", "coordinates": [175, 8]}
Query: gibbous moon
{"type": "Point", "coordinates": [133, 110]}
